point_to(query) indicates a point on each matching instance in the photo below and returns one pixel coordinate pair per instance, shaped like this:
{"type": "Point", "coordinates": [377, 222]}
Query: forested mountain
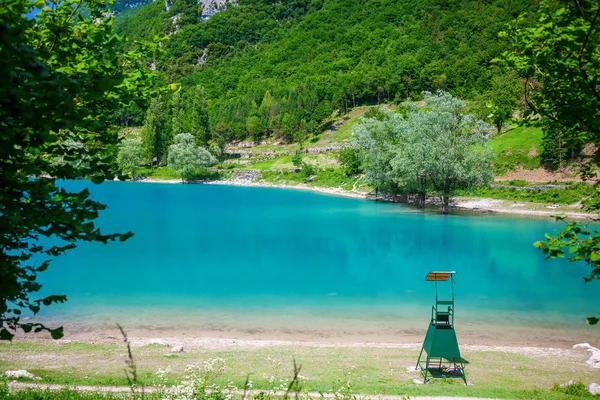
{"type": "Point", "coordinates": [280, 68]}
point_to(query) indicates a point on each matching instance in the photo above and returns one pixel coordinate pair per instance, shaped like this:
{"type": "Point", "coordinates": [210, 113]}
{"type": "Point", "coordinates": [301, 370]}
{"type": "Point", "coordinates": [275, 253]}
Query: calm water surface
{"type": "Point", "coordinates": [221, 252]}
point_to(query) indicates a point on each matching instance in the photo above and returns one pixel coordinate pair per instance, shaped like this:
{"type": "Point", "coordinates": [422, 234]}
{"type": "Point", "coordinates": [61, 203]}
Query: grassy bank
{"type": "Point", "coordinates": [550, 193]}
{"type": "Point", "coordinates": [519, 147]}
{"type": "Point", "coordinates": [273, 163]}
{"type": "Point", "coordinates": [370, 370]}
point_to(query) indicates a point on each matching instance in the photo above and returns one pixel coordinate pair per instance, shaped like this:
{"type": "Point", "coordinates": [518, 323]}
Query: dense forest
{"type": "Point", "coordinates": [265, 68]}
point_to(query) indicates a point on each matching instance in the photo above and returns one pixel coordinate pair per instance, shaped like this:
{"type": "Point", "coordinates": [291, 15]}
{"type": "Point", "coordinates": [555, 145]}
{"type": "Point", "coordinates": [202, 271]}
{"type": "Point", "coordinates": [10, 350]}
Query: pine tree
{"type": "Point", "coordinates": [197, 118]}
{"type": "Point", "coordinates": [154, 125]}
{"type": "Point", "coordinates": [176, 114]}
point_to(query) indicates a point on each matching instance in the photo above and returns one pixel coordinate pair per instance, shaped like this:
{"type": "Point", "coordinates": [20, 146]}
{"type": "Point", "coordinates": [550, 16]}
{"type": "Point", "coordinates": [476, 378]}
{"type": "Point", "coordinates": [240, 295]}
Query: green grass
{"type": "Point", "coordinates": [372, 370]}
{"type": "Point", "coordinates": [344, 133]}
{"type": "Point", "coordinates": [284, 162]}
{"type": "Point", "coordinates": [158, 173]}
{"type": "Point", "coordinates": [281, 162]}
{"type": "Point", "coordinates": [333, 177]}
{"type": "Point", "coordinates": [166, 173]}
{"type": "Point", "coordinates": [65, 394]}
{"type": "Point", "coordinates": [520, 146]}
{"type": "Point", "coordinates": [284, 177]}
{"type": "Point", "coordinates": [573, 193]}
{"type": "Point", "coordinates": [323, 178]}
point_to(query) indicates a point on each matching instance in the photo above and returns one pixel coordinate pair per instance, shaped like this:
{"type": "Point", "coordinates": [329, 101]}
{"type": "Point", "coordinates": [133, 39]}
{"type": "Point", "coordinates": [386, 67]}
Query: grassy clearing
{"type": "Point", "coordinates": [344, 133]}
{"type": "Point", "coordinates": [282, 162]}
{"type": "Point", "coordinates": [518, 147]}
{"type": "Point", "coordinates": [371, 370]}
{"type": "Point", "coordinates": [158, 173]}
{"type": "Point", "coordinates": [166, 173]}
{"type": "Point", "coordinates": [573, 193]}
{"type": "Point", "coordinates": [325, 178]}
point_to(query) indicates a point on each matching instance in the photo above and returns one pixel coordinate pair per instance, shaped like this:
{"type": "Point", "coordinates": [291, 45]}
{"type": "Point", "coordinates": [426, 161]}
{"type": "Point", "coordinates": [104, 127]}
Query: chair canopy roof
{"type": "Point", "coordinates": [439, 275]}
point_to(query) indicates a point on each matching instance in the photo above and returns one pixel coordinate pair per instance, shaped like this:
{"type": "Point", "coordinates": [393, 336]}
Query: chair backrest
{"type": "Point", "coordinates": [443, 317]}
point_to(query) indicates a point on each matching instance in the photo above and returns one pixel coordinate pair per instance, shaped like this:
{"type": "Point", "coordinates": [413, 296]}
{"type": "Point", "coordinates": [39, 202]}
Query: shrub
{"type": "Point", "coordinates": [577, 389]}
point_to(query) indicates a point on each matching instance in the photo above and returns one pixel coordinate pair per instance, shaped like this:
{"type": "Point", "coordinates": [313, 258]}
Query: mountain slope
{"type": "Point", "coordinates": [308, 58]}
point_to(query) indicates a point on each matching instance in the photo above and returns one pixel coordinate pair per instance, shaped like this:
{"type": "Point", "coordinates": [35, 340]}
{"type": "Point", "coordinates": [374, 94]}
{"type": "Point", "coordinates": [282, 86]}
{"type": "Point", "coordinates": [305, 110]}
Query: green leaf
{"type": "Point", "coordinates": [57, 333]}
{"type": "Point", "coordinates": [5, 334]}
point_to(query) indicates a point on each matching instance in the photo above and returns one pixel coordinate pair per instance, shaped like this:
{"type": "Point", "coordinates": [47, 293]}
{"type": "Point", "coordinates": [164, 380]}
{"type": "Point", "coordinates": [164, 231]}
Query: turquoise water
{"type": "Point", "coordinates": [232, 252]}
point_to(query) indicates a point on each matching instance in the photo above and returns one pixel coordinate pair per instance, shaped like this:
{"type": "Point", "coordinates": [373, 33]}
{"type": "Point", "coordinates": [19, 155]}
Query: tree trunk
{"type": "Point", "coordinates": [446, 197]}
{"type": "Point", "coordinates": [421, 200]}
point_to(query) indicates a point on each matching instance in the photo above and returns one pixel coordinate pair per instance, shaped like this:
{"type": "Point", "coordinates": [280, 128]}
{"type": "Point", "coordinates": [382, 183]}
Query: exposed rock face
{"type": "Point", "coordinates": [211, 7]}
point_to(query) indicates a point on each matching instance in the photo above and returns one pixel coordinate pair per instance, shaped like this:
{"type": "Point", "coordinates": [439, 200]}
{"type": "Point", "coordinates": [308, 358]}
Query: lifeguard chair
{"type": "Point", "coordinates": [441, 345]}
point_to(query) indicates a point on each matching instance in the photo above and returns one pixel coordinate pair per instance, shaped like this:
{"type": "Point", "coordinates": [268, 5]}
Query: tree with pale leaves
{"type": "Point", "coordinates": [377, 139]}
{"type": "Point", "coordinates": [130, 155]}
{"type": "Point", "coordinates": [186, 158]}
{"type": "Point", "coordinates": [431, 149]}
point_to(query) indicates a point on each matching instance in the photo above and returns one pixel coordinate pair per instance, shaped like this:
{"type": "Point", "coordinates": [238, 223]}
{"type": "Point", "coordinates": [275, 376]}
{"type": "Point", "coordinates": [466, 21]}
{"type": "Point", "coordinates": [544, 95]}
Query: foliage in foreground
{"type": "Point", "coordinates": [560, 60]}
{"type": "Point", "coordinates": [61, 78]}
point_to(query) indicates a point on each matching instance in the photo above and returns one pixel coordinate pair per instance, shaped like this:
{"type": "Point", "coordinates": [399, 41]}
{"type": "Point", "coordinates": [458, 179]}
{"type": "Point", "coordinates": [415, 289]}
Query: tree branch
{"type": "Point", "coordinates": [580, 8]}
{"type": "Point", "coordinates": [582, 49]}
{"type": "Point", "coordinates": [68, 19]}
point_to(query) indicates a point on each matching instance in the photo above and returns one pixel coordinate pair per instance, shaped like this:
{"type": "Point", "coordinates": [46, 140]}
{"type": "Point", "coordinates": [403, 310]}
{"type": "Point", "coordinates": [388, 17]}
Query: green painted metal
{"type": "Point", "coordinates": [440, 341]}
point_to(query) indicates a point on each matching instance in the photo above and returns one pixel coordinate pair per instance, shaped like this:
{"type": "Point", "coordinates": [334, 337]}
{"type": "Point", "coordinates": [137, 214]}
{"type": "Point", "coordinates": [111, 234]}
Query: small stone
{"type": "Point", "coordinates": [21, 373]}
{"type": "Point", "coordinates": [594, 360]}
{"type": "Point", "coordinates": [594, 389]}
{"type": "Point", "coordinates": [177, 349]}
{"type": "Point", "coordinates": [418, 381]}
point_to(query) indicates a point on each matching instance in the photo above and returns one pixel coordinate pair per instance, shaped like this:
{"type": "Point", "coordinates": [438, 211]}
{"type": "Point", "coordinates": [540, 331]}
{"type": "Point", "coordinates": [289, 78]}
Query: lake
{"type": "Point", "coordinates": [275, 263]}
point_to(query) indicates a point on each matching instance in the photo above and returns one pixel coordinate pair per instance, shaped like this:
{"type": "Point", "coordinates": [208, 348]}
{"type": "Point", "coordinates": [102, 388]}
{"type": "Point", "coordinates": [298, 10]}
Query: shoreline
{"type": "Point", "coordinates": [470, 204]}
{"type": "Point", "coordinates": [251, 329]}
{"type": "Point", "coordinates": [213, 343]}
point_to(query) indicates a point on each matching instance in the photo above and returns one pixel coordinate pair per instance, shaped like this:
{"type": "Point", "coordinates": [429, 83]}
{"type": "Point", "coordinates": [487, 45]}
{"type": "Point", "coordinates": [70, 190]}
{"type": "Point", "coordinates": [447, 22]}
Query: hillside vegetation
{"type": "Point", "coordinates": [280, 69]}
{"type": "Point", "coordinates": [276, 88]}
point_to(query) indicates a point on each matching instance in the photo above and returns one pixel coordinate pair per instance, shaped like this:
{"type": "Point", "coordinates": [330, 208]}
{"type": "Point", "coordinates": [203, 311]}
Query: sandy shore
{"type": "Point", "coordinates": [479, 205]}
{"type": "Point", "coordinates": [245, 328]}
{"type": "Point", "coordinates": [494, 340]}
{"type": "Point", "coordinates": [521, 208]}
{"type": "Point", "coordinates": [330, 191]}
